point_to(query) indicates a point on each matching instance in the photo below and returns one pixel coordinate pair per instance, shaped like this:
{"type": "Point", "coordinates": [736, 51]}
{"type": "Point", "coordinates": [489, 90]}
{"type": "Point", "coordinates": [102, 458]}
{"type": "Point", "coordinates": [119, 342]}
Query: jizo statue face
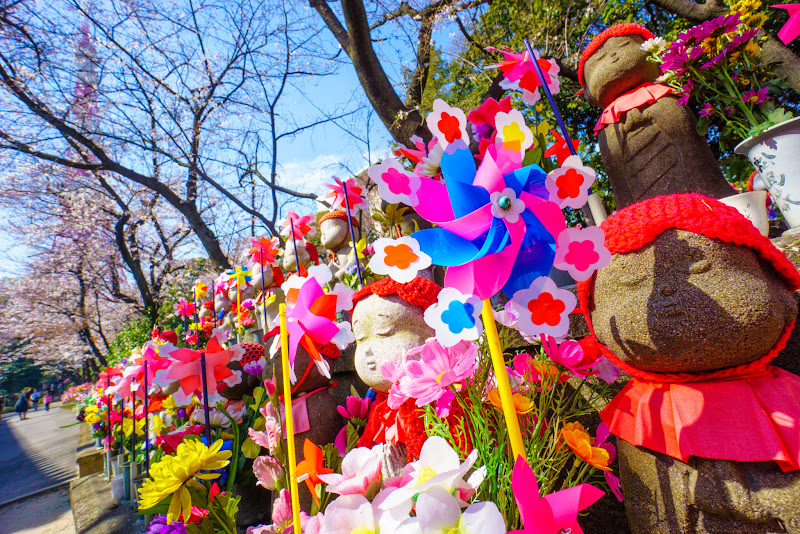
{"type": "Point", "coordinates": [618, 66]}
{"type": "Point", "coordinates": [385, 328]}
{"type": "Point", "coordinates": [688, 303]}
{"type": "Point", "coordinates": [334, 233]}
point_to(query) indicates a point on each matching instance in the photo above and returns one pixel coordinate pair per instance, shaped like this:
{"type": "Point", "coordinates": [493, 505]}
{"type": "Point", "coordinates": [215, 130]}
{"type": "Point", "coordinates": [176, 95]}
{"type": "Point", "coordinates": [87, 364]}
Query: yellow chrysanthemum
{"type": "Point", "coordinates": [581, 444]}
{"type": "Point", "coordinates": [746, 7]}
{"type": "Point", "coordinates": [173, 474]}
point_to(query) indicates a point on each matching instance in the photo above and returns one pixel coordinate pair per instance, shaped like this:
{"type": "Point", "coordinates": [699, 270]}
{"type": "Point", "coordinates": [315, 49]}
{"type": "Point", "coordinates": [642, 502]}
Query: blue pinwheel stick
{"type": "Point", "coordinates": [146, 430]}
{"type": "Point", "coordinates": [585, 210]}
{"type": "Point", "coordinates": [352, 233]}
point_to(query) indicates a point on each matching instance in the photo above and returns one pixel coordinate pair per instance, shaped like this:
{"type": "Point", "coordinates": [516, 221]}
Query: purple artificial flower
{"type": "Point", "coordinates": [752, 96]}
{"type": "Point", "coordinates": [255, 367]}
{"type": "Point", "coordinates": [181, 413]}
{"type": "Point", "coordinates": [728, 111]}
{"type": "Point", "coordinates": [159, 525]}
{"type": "Point", "coordinates": [706, 110]}
{"type": "Point", "coordinates": [714, 60]}
{"type": "Point", "coordinates": [739, 40]}
{"type": "Point", "coordinates": [693, 35]}
{"type": "Point", "coordinates": [721, 25]}
{"type": "Point", "coordinates": [686, 91]}
{"type": "Point", "coordinates": [674, 58]}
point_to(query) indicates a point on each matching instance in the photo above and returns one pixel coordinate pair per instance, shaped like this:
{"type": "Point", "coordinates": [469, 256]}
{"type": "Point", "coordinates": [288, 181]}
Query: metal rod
{"type": "Point", "coordinates": [146, 429]}
{"type": "Point", "coordinates": [206, 410]}
{"type": "Point", "coordinates": [352, 232]}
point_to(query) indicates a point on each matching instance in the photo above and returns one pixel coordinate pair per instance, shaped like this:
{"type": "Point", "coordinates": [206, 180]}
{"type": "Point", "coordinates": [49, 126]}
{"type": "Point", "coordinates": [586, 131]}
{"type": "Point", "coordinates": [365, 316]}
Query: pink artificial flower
{"type": "Point", "coordinates": [269, 437]}
{"type": "Point", "coordinates": [581, 252]}
{"type": "Point", "coordinates": [605, 370]}
{"type": "Point", "coordinates": [753, 96]}
{"type": "Point", "coordinates": [184, 309]}
{"type": "Point", "coordinates": [569, 354]}
{"type": "Point", "coordinates": [191, 339]}
{"type": "Point", "coordinates": [555, 512]}
{"type": "Point", "coordinates": [427, 158]}
{"type": "Point", "coordinates": [270, 385]}
{"type": "Point", "coordinates": [430, 377]}
{"type": "Point", "coordinates": [267, 471]}
{"type": "Point", "coordinates": [600, 441]}
{"type": "Point", "coordinates": [355, 409]}
{"type": "Point", "coordinates": [361, 468]}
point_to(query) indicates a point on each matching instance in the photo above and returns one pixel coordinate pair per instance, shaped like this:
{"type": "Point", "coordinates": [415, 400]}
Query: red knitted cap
{"type": "Point", "coordinates": [617, 30]}
{"type": "Point", "coordinates": [419, 292]}
{"type": "Point", "coordinates": [336, 214]}
{"type": "Point", "coordinates": [639, 224]}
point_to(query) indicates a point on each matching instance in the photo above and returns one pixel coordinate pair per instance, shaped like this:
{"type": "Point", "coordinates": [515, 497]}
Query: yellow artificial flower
{"type": "Point", "coordinates": [581, 444]}
{"type": "Point", "coordinates": [361, 245]}
{"type": "Point", "coordinates": [522, 404]}
{"type": "Point", "coordinates": [169, 405]}
{"type": "Point", "coordinates": [157, 425]}
{"type": "Point", "coordinates": [127, 426]}
{"type": "Point", "coordinates": [173, 474]}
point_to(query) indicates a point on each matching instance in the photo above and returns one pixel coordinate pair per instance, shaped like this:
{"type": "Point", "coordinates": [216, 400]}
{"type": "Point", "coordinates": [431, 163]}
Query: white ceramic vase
{"type": "Point", "coordinates": [753, 205]}
{"type": "Point", "coordinates": [775, 153]}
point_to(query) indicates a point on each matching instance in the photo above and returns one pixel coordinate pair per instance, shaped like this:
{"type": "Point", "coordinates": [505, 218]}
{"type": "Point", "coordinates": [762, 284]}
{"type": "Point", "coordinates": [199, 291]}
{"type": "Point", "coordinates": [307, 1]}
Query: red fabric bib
{"type": "Point", "coordinates": [746, 419]}
{"type": "Point", "coordinates": [641, 96]}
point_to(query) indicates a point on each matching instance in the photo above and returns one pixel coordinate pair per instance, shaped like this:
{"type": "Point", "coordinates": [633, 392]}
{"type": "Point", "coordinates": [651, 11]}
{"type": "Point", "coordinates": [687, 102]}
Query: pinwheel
{"type": "Point", "coordinates": [184, 308]}
{"type": "Point", "coordinates": [264, 250]}
{"type": "Point", "coordinates": [242, 276]}
{"type": "Point", "coordinates": [143, 368]}
{"type": "Point", "coordinates": [311, 323]}
{"type": "Point", "coordinates": [520, 73]}
{"type": "Point", "coordinates": [496, 227]}
{"type": "Point", "coordinates": [200, 290]}
{"type": "Point", "coordinates": [187, 370]}
{"type": "Point", "coordinates": [354, 200]}
{"type": "Point", "coordinates": [296, 226]}
{"type": "Point", "coordinates": [791, 29]}
{"type": "Point", "coordinates": [555, 512]}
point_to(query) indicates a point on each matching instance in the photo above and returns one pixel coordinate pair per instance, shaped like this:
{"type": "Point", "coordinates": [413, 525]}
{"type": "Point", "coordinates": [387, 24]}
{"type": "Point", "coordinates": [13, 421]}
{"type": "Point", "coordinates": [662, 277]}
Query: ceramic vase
{"type": "Point", "coordinates": [775, 153]}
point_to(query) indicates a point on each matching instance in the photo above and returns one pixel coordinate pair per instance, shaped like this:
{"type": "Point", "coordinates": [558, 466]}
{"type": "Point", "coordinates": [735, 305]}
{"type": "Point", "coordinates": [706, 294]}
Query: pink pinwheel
{"type": "Point", "coordinates": [569, 354]}
{"type": "Point", "coordinates": [302, 226]}
{"type": "Point", "coordinates": [184, 309]}
{"type": "Point", "coordinates": [264, 250]}
{"type": "Point", "coordinates": [336, 196]}
{"type": "Point", "coordinates": [310, 323]}
{"type": "Point", "coordinates": [554, 513]}
{"type": "Point", "coordinates": [185, 368]}
{"type": "Point", "coordinates": [495, 227]}
{"type": "Point", "coordinates": [104, 377]}
{"type": "Point", "coordinates": [120, 387]}
{"type": "Point", "coordinates": [521, 74]}
{"type": "Point", "coordinates": [156, 365]}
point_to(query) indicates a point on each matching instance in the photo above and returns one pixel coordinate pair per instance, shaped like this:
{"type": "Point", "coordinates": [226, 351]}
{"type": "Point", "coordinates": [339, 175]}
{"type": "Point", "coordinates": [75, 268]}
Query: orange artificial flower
{"type": "Point", "coordinates": [312, 466]}
{"type": "Point", "coordinates": [581, 444]}
{"type": "Point", "coordinates": [522, 404]}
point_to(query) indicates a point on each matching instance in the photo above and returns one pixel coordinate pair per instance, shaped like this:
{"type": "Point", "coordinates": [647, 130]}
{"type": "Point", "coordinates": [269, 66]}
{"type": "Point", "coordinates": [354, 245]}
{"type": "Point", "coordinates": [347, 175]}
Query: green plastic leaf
{"type": "Point", "coordinates": [250, 449]}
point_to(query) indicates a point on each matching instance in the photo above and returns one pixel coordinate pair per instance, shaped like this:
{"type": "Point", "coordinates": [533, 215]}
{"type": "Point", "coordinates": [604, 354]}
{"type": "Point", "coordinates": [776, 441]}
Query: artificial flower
{"type": "Point", "coordinates": [268, 472]}
{"type": "Point", "coordinates": [361, 469]}
{"type": "Point", "coordinates": [356, 410]}
{"type": "Point", "coordinates": [400, 258]}
{"type": "Point", "coordinates": [437, 369]}
{"type": "Point", "coordinates": [427, 158]}
{"type": "Point", "coordinates": [184, 309]}
{"type": "Point", "coordinates": [581, 252]}
{"type": "Point", "coordinates": [160, 525]}
{"type": "Point", "coordinates": [522, 404]}
{"type": "Point", "coordinates": [543, 308]}
{"type": "Point", "coordinates": [395, 183]}
{"type": "Point", "coordinates": [296, 226]}
{"type": "Point", "coordinates": [612, 480]}
{"type": "Point", "coordinates": [755, 96]}
{"type": "Point", "coordinates": [454, 317]}
{"type": "Point", "coordinates": [447, 124]}
{"type": "Point", "coordinates": [568, 354]}
{"type": "Point", "coordinates": [171, 475]}
{"type": "Point", "coordinates": [264, 251]}
{"type": "Point", "coordinates": [512, 132]}
{"type": "Point", "coordinates": [569, 185]}
{"type": "Point", "coordinates": [439, 512]}
{"type": "Point", "coordinates": [312, 465]}
{"type": "Point", "coordinates": [581, 443]}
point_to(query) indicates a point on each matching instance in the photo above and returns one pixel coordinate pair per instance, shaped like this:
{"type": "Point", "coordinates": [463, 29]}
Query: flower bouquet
{"type": "Point", "coordinates": [718, 64]}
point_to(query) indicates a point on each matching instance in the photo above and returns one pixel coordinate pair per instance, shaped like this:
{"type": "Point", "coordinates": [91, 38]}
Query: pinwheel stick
{"type": "Point", "coordinates": [352, 234]}
{"type": "Point", "coordinates": [263, 290]}
{"type": "Point", "coordinates": [146, 429]}
{"type": "Point", "coordinates": [121, 426]}
{"type": "Point", "coordinates": [108, 423]}
{"type": "Point", "coordinates": [499, 364]}
{"type": "Point", "coordinates": [133, 448]}
{"type": "Point", "coordinates": [196, 324]}
{"type": "Point", "coordinates": [287, 403]}
{"type": "Point", "coordinates": [585, 210]}
{"type": "Point", "coordinates": [294, 243]}
{"type": "Point", "coordinates": [206, 410]}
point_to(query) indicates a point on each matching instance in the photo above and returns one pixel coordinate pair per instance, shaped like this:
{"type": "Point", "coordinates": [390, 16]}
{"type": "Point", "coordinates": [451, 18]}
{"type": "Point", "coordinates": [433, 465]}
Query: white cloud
{"type": "Point", "coordinates": [309, 175]}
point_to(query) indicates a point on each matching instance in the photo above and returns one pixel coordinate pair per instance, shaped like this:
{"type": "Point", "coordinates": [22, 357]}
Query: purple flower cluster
{"type": "Point", "coordinates": [159, 525]}
{"type": "Point", "coordinates": [754, 96]}
{"type": "Point", "coordinates": [689, 45]}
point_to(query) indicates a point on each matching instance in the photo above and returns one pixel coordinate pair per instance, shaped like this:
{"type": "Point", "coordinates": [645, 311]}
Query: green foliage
{"type": "Point", "coordinates": [133, 335]}
{"type": "Point", "coordinates": [19, 374]}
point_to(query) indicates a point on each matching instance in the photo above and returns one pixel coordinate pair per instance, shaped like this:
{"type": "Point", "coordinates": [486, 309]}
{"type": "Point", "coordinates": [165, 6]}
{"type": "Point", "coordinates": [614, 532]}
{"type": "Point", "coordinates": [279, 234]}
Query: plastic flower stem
{"type": "Point", "coordinates": [264, 289]}
{"type": "Point", "coordinates": [206, 410]}
{"type": "Point", "coordinates": [585, 211]}
{"type": "Point", "coordinates": [352, 234]}
{"type": "Point", "coordinates": [507, 401]}
{"type": "Point", "coordinates": [110, 431]}
{"type": "Point", "coordinates": [236, 446]}
{"type": "Point", "coordinates": [287, 402]}
{"type": "Point", "coordinates": [294, 242]}
{"type": "Point", "coordinates": [146, 429]}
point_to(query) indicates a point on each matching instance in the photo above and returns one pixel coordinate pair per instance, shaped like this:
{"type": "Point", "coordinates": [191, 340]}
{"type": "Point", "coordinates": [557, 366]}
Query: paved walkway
{"type": "Point", "coordinates": [35, 454]}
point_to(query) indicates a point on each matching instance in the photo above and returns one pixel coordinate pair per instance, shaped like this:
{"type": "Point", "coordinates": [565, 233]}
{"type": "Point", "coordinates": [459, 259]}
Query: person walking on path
{"type": "Point", "coordinates": [2, 403]}
{"type": "Point", "coordinates": [21, 407]}
{"type": "Point", "coordinates": [35, 399]}
{"type": "Point", "coordinates": [47, 400]}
